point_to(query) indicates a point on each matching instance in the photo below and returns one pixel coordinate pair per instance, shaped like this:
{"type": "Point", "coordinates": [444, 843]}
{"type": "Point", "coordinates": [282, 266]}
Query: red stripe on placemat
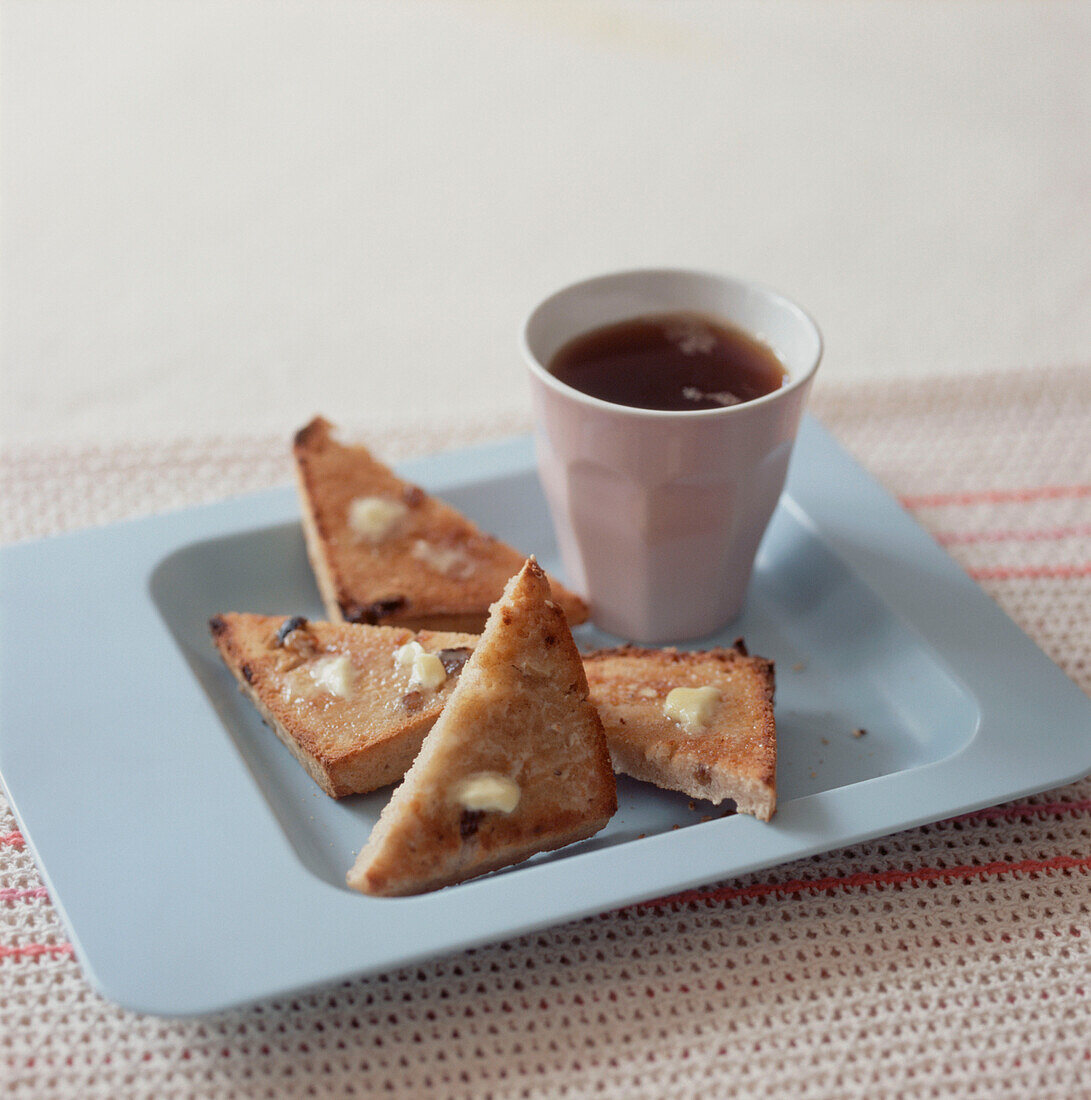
{"type": "Point", "coordinates": [957, 538]}
{"type": "Point", "coordinates": [1025, 809]}
{"type": "Point", "coordinates": [22, 895]}
{"type": "Point", "coordinates": [15, 839]}
{"type": "Point", "coordinates": [1030, 572]}
{"type": "Point", "coordinates": [995, 496]}
{"type": "Point", "coordinates": [36, 950]}
{"type": "Point", "coordinates": [920, 876]}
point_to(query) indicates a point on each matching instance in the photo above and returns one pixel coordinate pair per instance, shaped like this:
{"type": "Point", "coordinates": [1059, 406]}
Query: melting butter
{"type": "Point", "coordinates": [333, 674]}
{"type": "Point", "coordinates": [425, 669]}
{"type": "Point", "coordinates": [451, 561]}
{"type": "Point", "coordinates": [488, 791]}
{"type": "Point", "coordinates": [691, 707]}
{"type": "Point", "coordinates": [373, 518]}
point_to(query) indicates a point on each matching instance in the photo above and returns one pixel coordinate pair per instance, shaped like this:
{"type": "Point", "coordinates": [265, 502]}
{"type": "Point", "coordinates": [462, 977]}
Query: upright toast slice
{"type": "Point", "coordinates": [699, 722]}
{"type": "Point", "coordinates": [384, 551]}
{"type": "Point", "coordinates": [516, 764]}
{"type": "Point", "coordinates": [352, 703]}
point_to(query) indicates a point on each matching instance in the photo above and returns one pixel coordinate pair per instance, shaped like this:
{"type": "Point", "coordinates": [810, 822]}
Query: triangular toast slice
{"type": "Point", "coordinates": [385, 552]}
{"type": "Point", "coordinates": [352, 703]}
{"type": "Point", "coordinates": [351, 747]}
{"type": "Point", "coordinates": [516, 764]}
{"type": "Point", "coordinates": [699, 722]}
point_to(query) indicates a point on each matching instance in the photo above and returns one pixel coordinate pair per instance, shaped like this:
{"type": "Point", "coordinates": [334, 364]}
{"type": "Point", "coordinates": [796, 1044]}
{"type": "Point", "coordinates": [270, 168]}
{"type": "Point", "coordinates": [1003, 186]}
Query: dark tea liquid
{"type": "Point", "coordinates": [670, 361]}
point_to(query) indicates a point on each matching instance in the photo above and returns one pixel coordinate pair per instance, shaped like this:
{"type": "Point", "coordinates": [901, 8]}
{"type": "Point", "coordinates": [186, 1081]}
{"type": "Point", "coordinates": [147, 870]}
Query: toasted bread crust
{"type": "Point", "coordinates": [392, 582]}
{"type": "Point", "coordinates": [734, 757]}
{"type": "Point", "coordinates": [348, 746]}
{"type": "Point", "coordinates": [521, 711]}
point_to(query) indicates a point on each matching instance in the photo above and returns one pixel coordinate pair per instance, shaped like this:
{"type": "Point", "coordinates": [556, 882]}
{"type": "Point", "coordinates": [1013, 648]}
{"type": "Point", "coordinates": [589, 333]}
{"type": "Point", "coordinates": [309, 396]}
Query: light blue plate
{"type": "Point", "coordinates": [197, 867]}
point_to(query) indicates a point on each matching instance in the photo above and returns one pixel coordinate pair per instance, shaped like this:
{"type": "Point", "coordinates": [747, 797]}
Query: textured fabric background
{"type": "Point", "coordinates": [951, 960]}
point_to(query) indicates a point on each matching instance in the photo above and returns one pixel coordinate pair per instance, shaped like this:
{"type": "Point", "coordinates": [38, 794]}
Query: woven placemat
{"type": "Point", "coordinates": [953, 959]}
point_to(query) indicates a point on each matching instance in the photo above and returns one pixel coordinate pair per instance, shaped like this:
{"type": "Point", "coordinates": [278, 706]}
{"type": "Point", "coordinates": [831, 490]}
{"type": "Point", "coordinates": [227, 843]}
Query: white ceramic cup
{"type": "Point", "coordinates": [659, 514]}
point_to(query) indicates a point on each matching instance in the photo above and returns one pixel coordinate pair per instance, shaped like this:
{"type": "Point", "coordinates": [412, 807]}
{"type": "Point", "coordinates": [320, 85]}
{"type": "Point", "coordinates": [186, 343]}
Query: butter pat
{"type": "Point", "coordinates": [426, 669]}
{"type": "Point", "coordinates": [373, 518]}
{"type": "Point", "coordinates": [691, 707]}
{"type": "Point", "coordinates": [488, 791]}
{"type": "Point", "coordinates": [333, 674]}
{"type": "Point", "coordinates": [451, 561]}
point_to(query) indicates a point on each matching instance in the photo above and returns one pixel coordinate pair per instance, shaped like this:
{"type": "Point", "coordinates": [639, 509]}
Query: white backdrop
{"type": "Point", "coordinates": [229, 215]}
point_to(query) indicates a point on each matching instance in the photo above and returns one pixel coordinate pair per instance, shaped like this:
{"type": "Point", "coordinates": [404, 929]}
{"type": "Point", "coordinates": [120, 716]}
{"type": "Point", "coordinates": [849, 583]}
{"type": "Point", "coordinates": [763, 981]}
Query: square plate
{"type": "Point", "coordinates": [198, 868]}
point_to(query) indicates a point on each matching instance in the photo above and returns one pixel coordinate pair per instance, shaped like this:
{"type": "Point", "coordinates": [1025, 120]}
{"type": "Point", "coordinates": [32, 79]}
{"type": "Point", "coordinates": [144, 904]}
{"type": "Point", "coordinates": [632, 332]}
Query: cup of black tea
{"type": "Point", "coordinates": [666, 406]}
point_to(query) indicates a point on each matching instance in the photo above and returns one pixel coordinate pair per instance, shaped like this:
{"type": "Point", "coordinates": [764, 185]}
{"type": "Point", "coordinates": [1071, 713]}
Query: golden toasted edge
{"type": "Point", "coordinates": [750, 797]}
{"type": "Point", "coordinates": [732, 654]}
{"type": "Point", "coordinates": [340, 605]}
{"type": "Point", "coordinates": [307, 441]}
{"type": "Point", "coordinates": [367, 882]}
{"type": "Point", "coordinates": [224, 638]}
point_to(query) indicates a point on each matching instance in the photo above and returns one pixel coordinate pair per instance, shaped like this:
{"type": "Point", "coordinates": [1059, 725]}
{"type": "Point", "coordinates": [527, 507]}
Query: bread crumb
{"type": "Point", "coordinates": [859, 732]}
{"type": "Point", "coordinates": [799, 666]}
{"type": "Point", "coordinates": [814, 775]}
{"type": "Point", "coordinates": [693, 806]}
{"type": "Point", "coordinates": [825, 740]}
